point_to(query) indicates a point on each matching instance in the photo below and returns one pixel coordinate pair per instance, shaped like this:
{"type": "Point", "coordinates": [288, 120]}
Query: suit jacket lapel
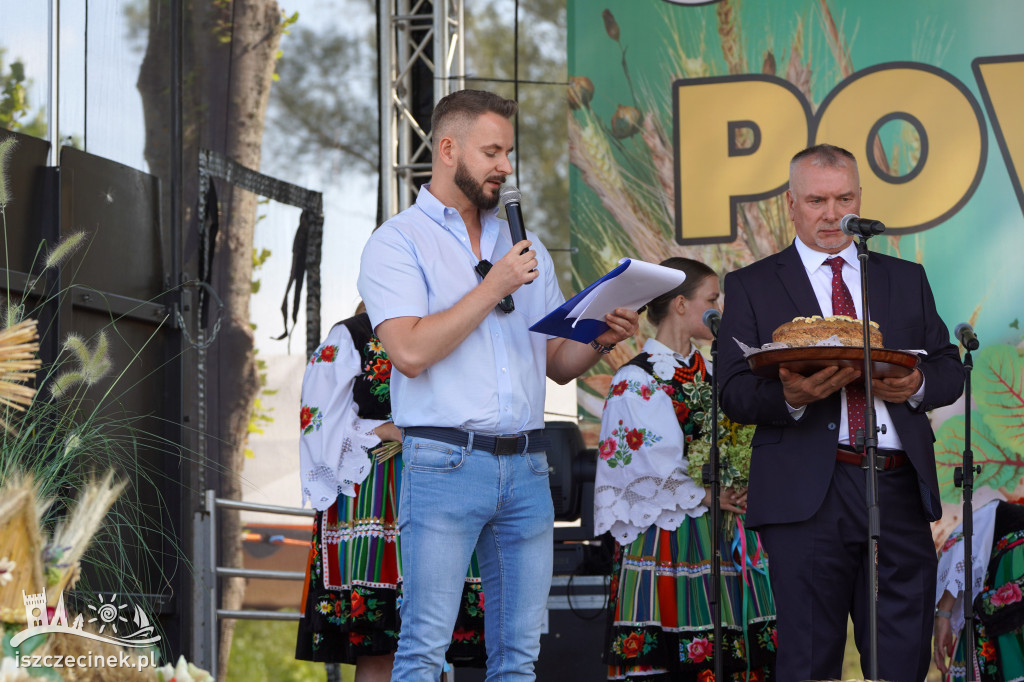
{"type": "Point", "coordinates": [878, 292]}
{"type": "Point", "coordinates": [794, 280]}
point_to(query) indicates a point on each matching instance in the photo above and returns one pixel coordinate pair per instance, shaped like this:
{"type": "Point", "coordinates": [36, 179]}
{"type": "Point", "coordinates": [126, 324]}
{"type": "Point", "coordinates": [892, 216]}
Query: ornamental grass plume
{"type": "Point", "coordinates": [92, 365]}
{"type": "Point", "coordinates": [6, 148]}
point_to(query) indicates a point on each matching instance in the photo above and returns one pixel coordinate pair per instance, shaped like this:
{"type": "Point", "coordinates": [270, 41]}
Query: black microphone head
{"type": "Point", "coordinates": [711, 318]}
{"type": "Point", "coordinates": [509, 195]}
{"type": "Point", "coordinates": [844, 223]}
{"type": "Point", "coordinates": [964, 333]}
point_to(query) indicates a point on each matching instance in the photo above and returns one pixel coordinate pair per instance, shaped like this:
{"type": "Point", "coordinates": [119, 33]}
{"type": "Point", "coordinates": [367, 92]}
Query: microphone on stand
{"type": "Point", "coordinates": [712, 319]}
{"type": "Point", "coordinates": [964, 333]}
{"type": "Point", "coordinates": [855, 226]}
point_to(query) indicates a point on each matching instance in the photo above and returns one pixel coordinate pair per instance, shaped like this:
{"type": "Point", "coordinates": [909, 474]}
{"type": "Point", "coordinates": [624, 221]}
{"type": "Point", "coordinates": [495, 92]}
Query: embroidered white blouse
{"type": "Point", "coordinates": [641, 471]}
{"type": "Point", "coordinates": [334, 442]}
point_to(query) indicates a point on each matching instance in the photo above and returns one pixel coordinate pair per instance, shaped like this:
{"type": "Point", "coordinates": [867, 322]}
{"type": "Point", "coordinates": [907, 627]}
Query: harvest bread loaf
{"type": "Point", "coordinates": [808, 331]}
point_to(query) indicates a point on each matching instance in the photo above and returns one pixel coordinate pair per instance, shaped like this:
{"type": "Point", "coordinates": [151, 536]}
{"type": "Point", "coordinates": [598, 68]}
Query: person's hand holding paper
{"type": "Point", "coordinates": [630, 285]}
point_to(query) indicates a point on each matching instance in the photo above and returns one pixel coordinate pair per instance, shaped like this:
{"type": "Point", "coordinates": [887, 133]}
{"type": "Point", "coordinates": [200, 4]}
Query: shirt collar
{"type": "Point", "coordinates": [654, 347]}
{"type": "Point", "coordinates": [813, 260]}
{"type": "Point", "coordinates": [449, 218]}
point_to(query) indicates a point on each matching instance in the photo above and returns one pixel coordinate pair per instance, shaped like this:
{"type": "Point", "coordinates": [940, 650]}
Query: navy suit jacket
{"type": "Point", "coordinates": [792, 462]}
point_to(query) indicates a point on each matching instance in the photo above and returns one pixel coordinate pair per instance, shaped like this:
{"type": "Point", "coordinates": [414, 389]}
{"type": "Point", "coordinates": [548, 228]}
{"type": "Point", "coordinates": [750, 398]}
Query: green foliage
{"type": "Point", "coordinates": [265, 651]}
{"type": "Point", "coordinates": [15, 112]}
{"type": "Point", "coordinates": [997, 424]}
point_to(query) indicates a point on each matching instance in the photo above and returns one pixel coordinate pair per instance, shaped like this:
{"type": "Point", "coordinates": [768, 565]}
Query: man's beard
{"type": "Point", "coordinates": [473, 190]}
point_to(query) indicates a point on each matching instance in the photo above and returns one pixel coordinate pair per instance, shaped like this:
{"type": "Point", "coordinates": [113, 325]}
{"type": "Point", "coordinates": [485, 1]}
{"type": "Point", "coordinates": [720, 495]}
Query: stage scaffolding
{"type": "Point", "coordinates": [421, 51]}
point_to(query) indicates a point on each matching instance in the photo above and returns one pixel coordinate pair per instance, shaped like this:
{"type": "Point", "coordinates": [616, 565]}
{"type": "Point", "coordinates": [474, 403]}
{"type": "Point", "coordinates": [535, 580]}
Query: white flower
{"type": "Point", "coordinates": [183, 671]}
{"type": "Point", "coordinates": [10, 672]}
{"type": "Point", "coordinates": [664, 365]}
{"type": "Point", "coordinates": [6, 570]}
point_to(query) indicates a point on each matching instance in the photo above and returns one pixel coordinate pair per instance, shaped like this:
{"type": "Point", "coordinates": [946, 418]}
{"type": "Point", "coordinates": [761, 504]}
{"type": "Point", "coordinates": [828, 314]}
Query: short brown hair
{"type": "Point", "coordinates": [695, 271]}
{"type": "Point", "coordinates": [464, 106]}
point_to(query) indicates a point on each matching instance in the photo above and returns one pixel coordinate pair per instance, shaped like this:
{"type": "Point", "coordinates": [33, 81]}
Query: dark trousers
{"type": "Point", "coordinates": [819, 575]}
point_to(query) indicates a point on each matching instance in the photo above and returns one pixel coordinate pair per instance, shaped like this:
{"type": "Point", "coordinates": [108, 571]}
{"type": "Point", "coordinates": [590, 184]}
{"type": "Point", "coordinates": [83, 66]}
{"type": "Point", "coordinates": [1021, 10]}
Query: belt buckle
{"type": "Point", "coordinates": [506, 445]}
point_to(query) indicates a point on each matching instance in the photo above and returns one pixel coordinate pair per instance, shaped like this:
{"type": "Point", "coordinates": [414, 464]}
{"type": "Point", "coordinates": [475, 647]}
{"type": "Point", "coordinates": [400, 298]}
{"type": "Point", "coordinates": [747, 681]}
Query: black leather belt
{"type": "Point", "coordinates": [527, 441]}
{"type": "Point", "coordinates": [887, 459]}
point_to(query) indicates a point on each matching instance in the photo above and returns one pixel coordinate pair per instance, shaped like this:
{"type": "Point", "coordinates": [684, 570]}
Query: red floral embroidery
{"type": "Point", "coordinates": [480, 603]}
{"type": "Point", "coordinates": [358, 605]}
{"type": "Point", "coordinates": [634, 439]}
{"type": "Point", "coordinates": [988, 651]}
{"type": "Point", "coordinates": [305, 416]}
{"type": "Point", "coordinates": [327, 353]}
{"type": "Point", "coordinates": [1007, 594]}
{"type": "Point", "coordinates": [619, 388]}
{"type": "Point", "coordinates": [356, 638]}
{"type": "Point", "coordinates": [682, 410]}
{"type": "Point", "coordinates": [707, 676]}
{"type": "Point", "coordinates": [462, 635]}
{"type": "Point", "coordinates": [775, 638]}
{"type": "Point", "coordinates": [606, 448]}
{"type": "Point", "coordinates": [382, 369]}
{"type": "Point", "coordinates": [645, 391]}
{"type": "Point", "coordinates": [950, 541]}
{"type": "Point", "coordinates": [699, 649]}
{"type": "Point", "coordinates": [632, 645]}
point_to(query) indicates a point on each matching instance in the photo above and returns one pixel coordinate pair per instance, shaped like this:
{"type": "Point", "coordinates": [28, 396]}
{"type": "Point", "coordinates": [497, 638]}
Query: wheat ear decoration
{"type": "Point", "coordinates": [18, 363]}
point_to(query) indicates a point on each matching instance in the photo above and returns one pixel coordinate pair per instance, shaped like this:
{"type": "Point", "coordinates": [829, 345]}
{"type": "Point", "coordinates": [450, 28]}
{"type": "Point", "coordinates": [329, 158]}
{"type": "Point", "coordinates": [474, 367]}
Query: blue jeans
{"type": "Point", "coordinates": [453, 500]}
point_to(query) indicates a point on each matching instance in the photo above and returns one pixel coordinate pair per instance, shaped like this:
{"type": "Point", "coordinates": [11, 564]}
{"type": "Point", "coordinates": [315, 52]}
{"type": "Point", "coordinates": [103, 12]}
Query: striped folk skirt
{"type": "Point", "coordinates": [660, 625]}
{"type": "Point", "coordinates": [353, 585]}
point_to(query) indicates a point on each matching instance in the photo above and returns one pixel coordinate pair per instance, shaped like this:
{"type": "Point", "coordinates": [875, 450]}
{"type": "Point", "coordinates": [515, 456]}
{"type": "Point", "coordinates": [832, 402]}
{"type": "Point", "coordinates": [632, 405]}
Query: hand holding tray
{"type": "Point", "coordinates": [807, 360]}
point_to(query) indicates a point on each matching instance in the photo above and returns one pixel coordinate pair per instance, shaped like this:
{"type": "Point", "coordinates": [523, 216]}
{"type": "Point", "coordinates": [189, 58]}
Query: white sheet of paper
{"type": "Point", "coordinates": [634, 287]}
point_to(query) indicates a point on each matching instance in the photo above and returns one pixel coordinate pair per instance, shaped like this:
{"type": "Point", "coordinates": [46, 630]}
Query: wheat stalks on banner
{"type": "Point", "coordinates": [729, 31]}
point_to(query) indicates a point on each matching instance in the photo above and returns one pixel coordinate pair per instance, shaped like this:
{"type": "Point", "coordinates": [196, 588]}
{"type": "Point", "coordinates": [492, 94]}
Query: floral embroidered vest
{"type": "Point", "coordinates": [674, 388]}
{"type": "Point", "coordinates": [372, 388]}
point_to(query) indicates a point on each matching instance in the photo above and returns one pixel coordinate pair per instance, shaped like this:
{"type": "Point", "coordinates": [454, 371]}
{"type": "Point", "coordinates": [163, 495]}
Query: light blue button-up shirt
{"type": "Point", "coordinates": [421, 262]}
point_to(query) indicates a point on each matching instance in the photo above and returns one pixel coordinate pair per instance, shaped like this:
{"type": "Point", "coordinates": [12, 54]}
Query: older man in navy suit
{"type": "Point", "coordinates": [807, 487]}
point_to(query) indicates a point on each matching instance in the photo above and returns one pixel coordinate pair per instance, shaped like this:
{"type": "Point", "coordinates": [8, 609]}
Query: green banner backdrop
{"type": "Point", "coordinates": [684, 115]}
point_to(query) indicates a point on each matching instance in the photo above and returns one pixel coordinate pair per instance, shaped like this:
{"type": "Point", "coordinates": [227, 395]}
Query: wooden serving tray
{"type": "Point", "coordinates": [807, 360]}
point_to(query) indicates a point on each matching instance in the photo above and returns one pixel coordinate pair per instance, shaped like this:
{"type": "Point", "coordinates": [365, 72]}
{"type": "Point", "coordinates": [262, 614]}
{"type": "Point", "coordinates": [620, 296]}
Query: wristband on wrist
{"type": "Point", "coordinates": [603, 350]}
{"type": "Point", "coordinates": [939, 613]}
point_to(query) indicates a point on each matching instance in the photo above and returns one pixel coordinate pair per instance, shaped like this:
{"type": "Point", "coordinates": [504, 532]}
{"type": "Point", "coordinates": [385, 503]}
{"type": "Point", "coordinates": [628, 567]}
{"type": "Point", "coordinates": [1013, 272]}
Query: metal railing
{"type": "Point", "coordinates": [206, 614]}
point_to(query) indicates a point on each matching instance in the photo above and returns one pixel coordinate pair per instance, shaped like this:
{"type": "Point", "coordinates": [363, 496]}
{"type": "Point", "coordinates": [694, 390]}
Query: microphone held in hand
{"type": "Point", "coordinates": [510, 199]}
{"type": "Point", "coordinates": [855, 226]}
{"type": "Point", "coordinates": [712, 318]}
{"type": "Point", "coordinates": [964, 333]}
{"type": "Point", "coordinates": [517, 229]}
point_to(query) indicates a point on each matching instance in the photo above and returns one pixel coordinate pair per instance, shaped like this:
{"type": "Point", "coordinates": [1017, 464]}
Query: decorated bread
{"type": "Point", "coordinates": [809, 331]}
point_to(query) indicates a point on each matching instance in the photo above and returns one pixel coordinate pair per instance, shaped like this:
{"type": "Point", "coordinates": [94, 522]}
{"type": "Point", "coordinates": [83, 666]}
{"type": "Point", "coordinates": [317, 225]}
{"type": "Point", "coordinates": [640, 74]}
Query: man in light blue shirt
{"type": "Point", "coordinates": [443, 285]}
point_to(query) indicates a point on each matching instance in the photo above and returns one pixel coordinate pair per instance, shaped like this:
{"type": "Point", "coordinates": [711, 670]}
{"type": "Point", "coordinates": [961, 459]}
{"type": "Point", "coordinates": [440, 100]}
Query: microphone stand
{"type": "Point", "coordinates": [711, 475]}
{"type": "Point", "coordinates": [964, 476]}
{"type": "Point", "coordinates": [869, 439]}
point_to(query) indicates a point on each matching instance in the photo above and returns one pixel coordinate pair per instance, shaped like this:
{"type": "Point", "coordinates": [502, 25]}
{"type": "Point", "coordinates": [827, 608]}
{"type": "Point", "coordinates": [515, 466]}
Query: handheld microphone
{"type": "Point", "coordinates": [966, 336]}
{"type": "Point", "coordinates": [516, 228]}
{"type": "Point", "coordinates": [712, 319]}
{"type": "Point", "coordinates": [855, 226]}
{"type": "Point", "coordinates": [510, 199]}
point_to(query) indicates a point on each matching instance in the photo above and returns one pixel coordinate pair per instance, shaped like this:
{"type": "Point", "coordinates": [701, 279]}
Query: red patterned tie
{"type": "Point", "coordinates": [842, 304]}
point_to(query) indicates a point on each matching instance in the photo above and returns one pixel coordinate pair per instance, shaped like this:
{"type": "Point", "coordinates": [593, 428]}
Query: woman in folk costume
{"type": "Point", "coordinates": [660, 625]}
{"type": "Point", "coordinates": [997, 569]}
{"type": "Point", "coordinates": [353, 579]}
